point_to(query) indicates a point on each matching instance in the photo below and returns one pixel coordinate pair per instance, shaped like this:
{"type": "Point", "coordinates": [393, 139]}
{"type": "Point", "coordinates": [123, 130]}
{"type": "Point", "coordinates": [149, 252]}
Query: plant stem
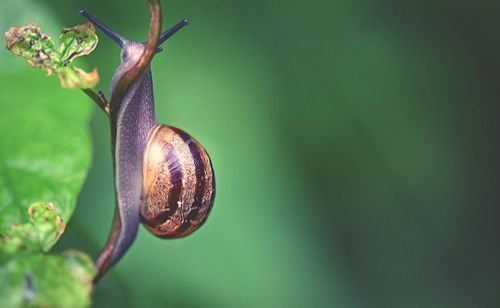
{"type": "Point", "coordinates": [113, 108]}
{"type": "Point", "coordinates": [99, 99]}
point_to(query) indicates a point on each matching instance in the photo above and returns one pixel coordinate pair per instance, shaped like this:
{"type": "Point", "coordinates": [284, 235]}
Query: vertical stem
{"type": "Point", "coordinates": [104, 260]}
{"type": "Point", "coordinates": [145, 59]}
{"type": "Point", "coordinates": [98, 99]}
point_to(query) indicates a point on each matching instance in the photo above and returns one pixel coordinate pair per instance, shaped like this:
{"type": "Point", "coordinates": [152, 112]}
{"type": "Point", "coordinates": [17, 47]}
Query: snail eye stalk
{"type": "Point", "coordinates": [167, 34]}
{"type": "Point", "coordinates": [121, 41]}
{"type": "Point", "coordinates": [112, 34]}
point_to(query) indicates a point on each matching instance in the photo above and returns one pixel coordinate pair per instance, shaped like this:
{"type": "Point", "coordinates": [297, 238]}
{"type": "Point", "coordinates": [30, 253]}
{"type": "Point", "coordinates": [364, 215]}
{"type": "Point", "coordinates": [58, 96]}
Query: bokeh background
{"type": "Point", "coordinates": [354, 142]}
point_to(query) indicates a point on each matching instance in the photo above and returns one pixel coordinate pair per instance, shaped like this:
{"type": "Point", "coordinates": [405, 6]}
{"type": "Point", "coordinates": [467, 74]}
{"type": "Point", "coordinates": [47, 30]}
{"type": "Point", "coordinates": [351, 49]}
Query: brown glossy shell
{"type": "Point", "coordinates": [179, 183]}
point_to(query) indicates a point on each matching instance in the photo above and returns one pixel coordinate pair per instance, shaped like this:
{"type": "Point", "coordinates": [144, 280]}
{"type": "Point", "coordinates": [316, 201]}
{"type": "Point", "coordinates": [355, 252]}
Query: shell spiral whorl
{"type": "Point", "coordinates": [179, 183]}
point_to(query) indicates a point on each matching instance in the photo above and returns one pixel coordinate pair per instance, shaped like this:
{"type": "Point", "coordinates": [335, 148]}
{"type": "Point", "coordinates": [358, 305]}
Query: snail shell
{"type": "Point", "coordinates": [179, 183]}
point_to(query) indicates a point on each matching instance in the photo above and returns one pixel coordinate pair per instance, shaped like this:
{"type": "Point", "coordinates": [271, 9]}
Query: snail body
{"type": "Point", "coordinates": [163, 176]}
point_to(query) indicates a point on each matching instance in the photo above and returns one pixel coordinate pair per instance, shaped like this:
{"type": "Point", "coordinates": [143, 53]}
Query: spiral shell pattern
{"type": "Point", "coordinates": [179, 183]}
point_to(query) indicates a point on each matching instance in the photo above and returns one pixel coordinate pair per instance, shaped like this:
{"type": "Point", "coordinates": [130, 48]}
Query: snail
{"type": "Point", "coordinates": [163, 177]}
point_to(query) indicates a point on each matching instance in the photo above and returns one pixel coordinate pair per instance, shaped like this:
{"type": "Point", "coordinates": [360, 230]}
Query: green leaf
{"type": "Point", "coordinates": [47, 280]}
{"type": "Point", "coordinates": [44, 158]}
{"type": "Point", "coordinates": [73, 77]}
{"type": "Point", "coordinates": [30, 43]}
{"type": "Point", "coordinates": [34, 278]}
{"type": "Point", "coordinates": [43, 230]}
{"type": "Point", "coordinates": [30, 277]}
{"type": "Point", "coordinates": [45, 147]}
{"type": "Point", "coordinates": [78, 41]}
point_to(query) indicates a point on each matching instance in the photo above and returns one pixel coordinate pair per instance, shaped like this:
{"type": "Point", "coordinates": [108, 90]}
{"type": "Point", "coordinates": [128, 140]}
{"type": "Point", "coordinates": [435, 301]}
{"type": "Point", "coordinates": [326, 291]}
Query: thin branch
{"type": "Point", "coordinates": [135, 71]}
{"type": "Point", "coordinates": [99, 99]}
{"type": "Point", "coordinates": [104, 261]}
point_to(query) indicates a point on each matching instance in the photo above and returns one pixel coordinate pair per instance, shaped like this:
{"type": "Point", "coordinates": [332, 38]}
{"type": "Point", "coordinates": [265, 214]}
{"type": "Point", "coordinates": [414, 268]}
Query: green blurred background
{"type": "Point", "coordinates": [354, 143]}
